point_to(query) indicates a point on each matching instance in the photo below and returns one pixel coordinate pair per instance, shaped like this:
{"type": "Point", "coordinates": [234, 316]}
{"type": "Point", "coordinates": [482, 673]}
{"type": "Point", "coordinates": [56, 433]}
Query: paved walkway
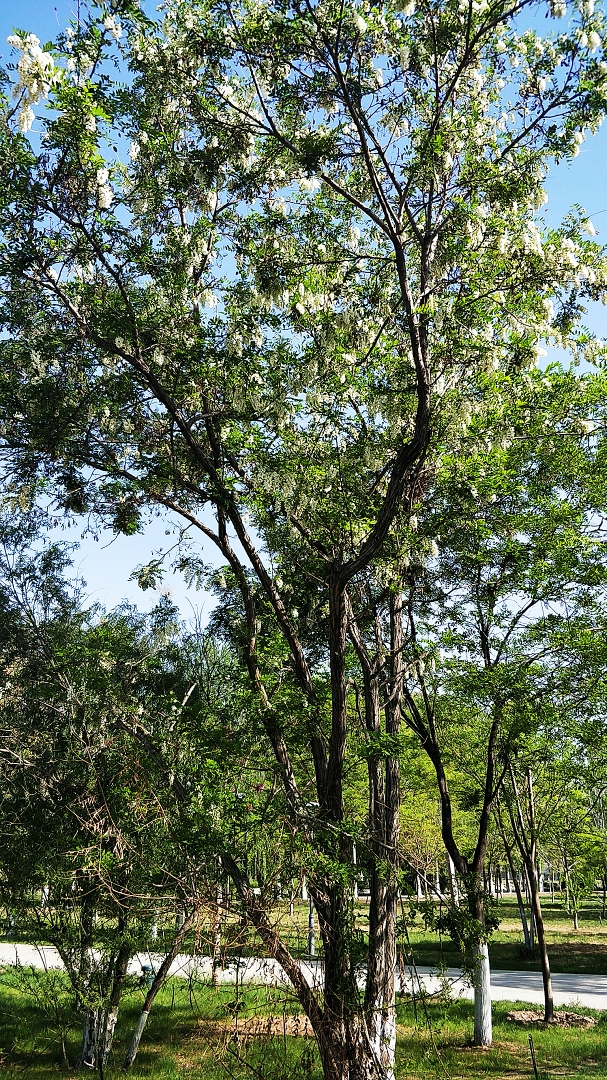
{"type": "Point", "coordinates": [586, 990]}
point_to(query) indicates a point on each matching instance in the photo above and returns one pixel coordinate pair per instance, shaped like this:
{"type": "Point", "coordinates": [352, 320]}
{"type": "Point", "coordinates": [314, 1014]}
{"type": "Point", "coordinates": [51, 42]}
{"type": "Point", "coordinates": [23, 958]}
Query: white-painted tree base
{"type": "Point", "coordinates": [483, 1026]}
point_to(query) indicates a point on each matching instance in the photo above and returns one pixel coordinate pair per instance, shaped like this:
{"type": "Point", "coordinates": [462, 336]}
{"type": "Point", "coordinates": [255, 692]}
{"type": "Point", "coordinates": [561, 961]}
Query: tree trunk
{"type": "Point", "coordinates": [159, 980]}
{"type": "Point", "coordinates": [531, 911]}
{"type": "Point", "coordinates": [483, 1026]}
{"type": "Point", "coordinates": [216, 936]}
{"type": "Point", "coordinates": [90, 1039]}
{"type": "Point", "coordinates": [541, 941]}
{"type": "Point", "coordinates": [111, 1017]}
{"type": "Point", "coordinates": [523, 914]}
{"type": "Point", "coordinates": [517, 888]}
{"type": "Point", "coordinates": [453, 886]}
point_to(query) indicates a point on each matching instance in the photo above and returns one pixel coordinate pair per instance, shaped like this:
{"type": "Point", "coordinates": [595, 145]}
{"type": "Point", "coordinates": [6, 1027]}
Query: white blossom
{"type": "Point", "coordinates": [309, 183]}
{"type": "Point", "coordinates": [594, 40]}
{"type": "Point", "coordinates": [360, 23]}
{"type": "Point", "coordinates": [209, 298]}
{"type": "Point", "coordinates": [113, 26]}
{"type": "Point", "coordinates": [26, 118]}
{"type": "Point", "coordinates": [36, 73]}
{"type": "Point", "coordinates": [105, 196]}
{"type": "Point", "coordinates": [588, 227]}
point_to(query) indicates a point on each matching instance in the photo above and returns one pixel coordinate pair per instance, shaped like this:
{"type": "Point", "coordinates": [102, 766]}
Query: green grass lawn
{"type": "Point", "coordinates": [583, 950]}
{"type": "Point", "coordinates": [193, 1033]}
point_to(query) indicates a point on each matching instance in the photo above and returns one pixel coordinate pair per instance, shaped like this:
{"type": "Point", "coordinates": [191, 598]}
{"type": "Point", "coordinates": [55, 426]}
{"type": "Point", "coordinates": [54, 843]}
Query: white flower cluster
{"type": "Point", "coordinates": [105, 195]}
{"type": "Point", "coordinates": [309, 183]}
{"type": "Point", "coordinates": [113, 27]}
{"type": "Point", "coordinates": [37, 73]}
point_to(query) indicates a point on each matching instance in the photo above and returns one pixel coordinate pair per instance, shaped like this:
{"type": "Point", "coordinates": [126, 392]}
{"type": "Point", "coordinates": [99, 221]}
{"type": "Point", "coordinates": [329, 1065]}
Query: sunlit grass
{"type": "Point", "coordinates": [195, 1031]}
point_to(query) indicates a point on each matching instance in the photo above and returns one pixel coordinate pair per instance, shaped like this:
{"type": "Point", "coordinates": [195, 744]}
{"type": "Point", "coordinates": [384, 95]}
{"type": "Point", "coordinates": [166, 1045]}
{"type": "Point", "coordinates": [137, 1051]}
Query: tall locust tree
{"type": "Point", "coordinates": [255, 257]}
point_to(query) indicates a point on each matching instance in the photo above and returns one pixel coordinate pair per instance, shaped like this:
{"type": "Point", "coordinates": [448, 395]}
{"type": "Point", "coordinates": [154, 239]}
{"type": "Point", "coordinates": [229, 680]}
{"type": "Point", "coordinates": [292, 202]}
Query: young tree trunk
{"type": "Point", "coordinates": [90, 1039]}
{"type": "Point", "coordinates": [483, 1024]}
{"type": "Point", "coordinates": [453, 886]}
{"type": "Point", "coordinates": [538, 920]}
{"type": "Point", "coordinates": [523, 914]}
{"type": "Point", "coordinates": [216, 936]}
{"type": "Point", "coordinates": [106, 1034]}
{"type": "Point", "coordinates": [159, 980]}
{"type": "Point", "coordinates": [531, 911]}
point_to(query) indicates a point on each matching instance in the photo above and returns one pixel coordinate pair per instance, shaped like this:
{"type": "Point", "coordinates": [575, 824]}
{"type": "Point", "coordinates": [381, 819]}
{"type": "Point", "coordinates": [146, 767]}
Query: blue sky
{"type": "Point", "coordinates": [107, 564]}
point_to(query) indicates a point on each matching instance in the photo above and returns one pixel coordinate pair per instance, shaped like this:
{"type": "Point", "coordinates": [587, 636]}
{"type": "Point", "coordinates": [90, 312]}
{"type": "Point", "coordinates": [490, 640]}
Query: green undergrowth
{"type": "Point", "coordinates": [204, 1033]}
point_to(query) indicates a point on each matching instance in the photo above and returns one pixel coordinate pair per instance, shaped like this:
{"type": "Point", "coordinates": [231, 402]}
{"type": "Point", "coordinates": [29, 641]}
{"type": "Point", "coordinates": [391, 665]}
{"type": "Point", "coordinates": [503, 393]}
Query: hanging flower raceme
{"type": "Point", "coordinates": [37, 74]}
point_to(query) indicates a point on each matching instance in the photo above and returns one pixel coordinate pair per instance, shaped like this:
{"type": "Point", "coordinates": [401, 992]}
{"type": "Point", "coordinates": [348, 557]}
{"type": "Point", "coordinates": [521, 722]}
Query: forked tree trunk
{"type": "Point", "coordinates": [515, 880]}
{"type": "Point", "coordinates": [100, 1024]}
{"type": "Point", "coordinates": [527, 844]}
{"type": "Point", "coordinates": [523, 915]}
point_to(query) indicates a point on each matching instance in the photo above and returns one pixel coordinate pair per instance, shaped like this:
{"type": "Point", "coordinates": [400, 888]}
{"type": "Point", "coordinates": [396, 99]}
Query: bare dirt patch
{"type": "Point", "coordinates": [560, 1019]}
{"type": "Point", "coordinates": [256, 1027]}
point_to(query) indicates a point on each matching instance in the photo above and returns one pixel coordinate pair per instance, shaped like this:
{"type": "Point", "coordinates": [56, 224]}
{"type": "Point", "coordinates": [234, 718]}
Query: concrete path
{"type": "Point", "coordinates": [586, 990]}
